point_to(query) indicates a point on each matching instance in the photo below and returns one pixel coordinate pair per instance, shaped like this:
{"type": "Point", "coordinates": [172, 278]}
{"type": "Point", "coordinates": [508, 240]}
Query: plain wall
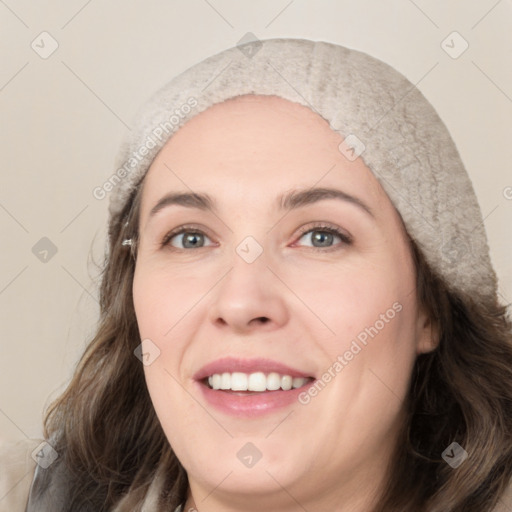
{"type": "Point", "coordinates": [64, 116]}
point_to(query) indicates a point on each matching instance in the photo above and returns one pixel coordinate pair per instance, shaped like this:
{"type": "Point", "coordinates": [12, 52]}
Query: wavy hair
{"type": "Point", "coordinates": [112, 446]}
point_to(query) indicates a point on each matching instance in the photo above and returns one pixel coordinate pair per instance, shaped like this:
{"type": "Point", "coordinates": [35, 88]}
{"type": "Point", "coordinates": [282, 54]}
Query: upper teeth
{"type": "Point", "coordinates": [258, 381]}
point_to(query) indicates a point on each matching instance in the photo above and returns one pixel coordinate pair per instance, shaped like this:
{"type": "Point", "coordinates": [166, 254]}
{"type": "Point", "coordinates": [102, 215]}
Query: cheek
{"type": "Point", "coordinates": [161, 300]}
{"type": "Point", "coordinates": [164, 308]}
{"type": "Point", "coordinates": [368, 365]}
{"type": "Point", "coordinates": [360, 298]}
{"type": "Point", "coordinates": [373, 315]}
{"type": "Point", "coordinates": [159, 309]}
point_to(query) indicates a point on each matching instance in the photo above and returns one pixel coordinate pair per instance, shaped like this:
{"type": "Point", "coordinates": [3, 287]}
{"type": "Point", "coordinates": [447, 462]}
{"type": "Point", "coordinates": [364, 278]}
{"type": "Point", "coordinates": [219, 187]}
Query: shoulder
{"type": "Point", "coordinates": [16, 473]}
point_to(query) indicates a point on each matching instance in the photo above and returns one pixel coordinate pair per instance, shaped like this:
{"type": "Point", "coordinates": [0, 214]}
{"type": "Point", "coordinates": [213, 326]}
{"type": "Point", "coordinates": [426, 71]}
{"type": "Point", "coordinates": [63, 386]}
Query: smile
{"type": "Point", "coordinates": [246, 388]}
{"type": "Point", "coordinates": [257, 382]}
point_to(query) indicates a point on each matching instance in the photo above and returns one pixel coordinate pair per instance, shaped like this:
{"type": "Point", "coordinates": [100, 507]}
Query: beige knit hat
{"type": "Point", "coordinates": [383, 118]}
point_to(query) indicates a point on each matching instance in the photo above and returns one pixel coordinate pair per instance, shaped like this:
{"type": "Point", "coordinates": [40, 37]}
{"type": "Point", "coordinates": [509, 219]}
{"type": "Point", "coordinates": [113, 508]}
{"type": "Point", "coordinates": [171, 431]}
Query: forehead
{"type": "Point", "coordinates": [258, 116]}
{"type": "Point", "coordinates": [253, 147]}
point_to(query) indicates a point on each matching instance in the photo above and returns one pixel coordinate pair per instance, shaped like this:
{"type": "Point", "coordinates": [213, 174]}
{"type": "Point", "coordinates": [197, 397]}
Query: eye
{"type": "Point", "coordinates": [185, 237]}
{"type": "Point", "coordinates": [323, 236]}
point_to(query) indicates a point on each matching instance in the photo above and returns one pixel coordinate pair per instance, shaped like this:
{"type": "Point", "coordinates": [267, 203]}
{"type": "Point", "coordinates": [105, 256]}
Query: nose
{"type": "Point", "coordinates": [249, 297]}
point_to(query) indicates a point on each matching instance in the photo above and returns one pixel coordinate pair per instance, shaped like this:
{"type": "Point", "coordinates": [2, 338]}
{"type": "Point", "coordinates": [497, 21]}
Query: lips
{"type": "Point", "coordinates": [250, 387]}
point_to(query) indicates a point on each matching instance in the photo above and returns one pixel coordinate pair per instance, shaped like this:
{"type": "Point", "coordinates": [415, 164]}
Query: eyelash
{"type": "Point", "coordinates": [326, 228]}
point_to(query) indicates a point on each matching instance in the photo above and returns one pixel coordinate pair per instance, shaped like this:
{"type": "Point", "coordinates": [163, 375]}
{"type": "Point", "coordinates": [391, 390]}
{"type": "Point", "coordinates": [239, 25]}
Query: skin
{"type": "Point", "coordinates": [200, 304]}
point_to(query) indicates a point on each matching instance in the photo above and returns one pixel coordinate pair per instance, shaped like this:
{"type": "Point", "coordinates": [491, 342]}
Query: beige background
{"type": "Point", "coordinates": [64, 116]}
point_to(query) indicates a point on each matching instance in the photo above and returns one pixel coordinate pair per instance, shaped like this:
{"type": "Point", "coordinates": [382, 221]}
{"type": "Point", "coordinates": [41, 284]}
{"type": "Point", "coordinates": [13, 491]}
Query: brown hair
{"type": "Point", "coordinates": [112, 445]}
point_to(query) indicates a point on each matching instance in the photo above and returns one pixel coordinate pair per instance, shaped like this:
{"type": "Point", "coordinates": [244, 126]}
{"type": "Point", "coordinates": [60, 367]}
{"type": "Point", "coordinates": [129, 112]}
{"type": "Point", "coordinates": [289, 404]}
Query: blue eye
{"type": "Point", "coordinates": [191, 239]}
{"type": "Point", "coordinates": [324, 236]}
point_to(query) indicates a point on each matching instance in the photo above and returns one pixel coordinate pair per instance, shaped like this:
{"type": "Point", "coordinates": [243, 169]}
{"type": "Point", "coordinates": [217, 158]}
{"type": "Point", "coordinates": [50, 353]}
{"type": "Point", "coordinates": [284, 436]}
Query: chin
{"type": "Point", "coordinates": [246, 465]}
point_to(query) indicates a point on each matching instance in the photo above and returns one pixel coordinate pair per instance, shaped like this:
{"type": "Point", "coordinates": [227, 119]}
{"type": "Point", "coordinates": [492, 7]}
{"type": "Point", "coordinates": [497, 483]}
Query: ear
{"type": "Point", "coordinates": [427, 333]}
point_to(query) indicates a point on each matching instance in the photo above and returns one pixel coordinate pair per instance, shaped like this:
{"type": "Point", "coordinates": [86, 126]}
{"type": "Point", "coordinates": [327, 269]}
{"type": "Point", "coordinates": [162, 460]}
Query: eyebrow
{"type": "Point", "coordinates": [289, 201]}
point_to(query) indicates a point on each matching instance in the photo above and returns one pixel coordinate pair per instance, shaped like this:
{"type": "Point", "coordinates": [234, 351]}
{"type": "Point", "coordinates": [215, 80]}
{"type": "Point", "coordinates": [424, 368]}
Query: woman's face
{"type": "Point", "coordinates": [261, 292]}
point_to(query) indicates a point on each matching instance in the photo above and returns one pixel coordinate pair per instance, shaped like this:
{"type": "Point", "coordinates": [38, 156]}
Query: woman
{"type": "Point", "coordinates": [298, 259]}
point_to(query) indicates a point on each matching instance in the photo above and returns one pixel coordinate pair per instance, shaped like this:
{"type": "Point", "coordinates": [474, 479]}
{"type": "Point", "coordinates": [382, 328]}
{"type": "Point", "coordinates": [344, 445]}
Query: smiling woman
{"type": "Point", "coordinates": [296, 312]}
{"type": "Point", "coordinates": [332, 255]}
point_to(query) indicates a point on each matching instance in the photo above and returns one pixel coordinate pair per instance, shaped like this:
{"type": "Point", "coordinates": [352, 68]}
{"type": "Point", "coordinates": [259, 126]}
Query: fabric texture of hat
{"type": "Point", "coordinates": [382, 117]}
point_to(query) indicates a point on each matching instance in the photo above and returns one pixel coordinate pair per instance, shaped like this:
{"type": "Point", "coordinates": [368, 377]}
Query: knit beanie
{"type": "Point", "coordinates": [383, 118]}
